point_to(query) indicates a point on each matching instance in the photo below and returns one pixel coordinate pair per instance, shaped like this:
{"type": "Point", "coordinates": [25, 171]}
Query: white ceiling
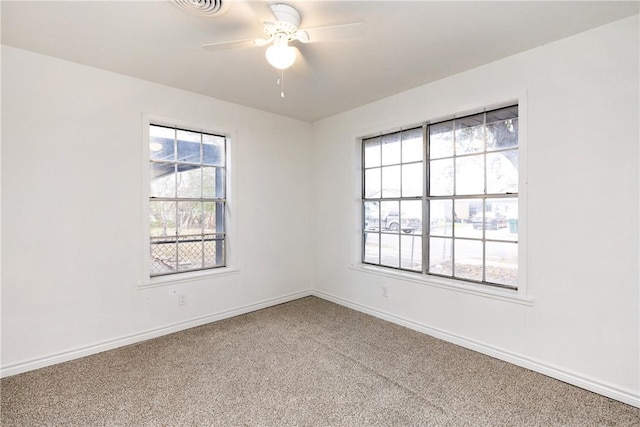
{"type": "Point", "coordinates": [407, 44]}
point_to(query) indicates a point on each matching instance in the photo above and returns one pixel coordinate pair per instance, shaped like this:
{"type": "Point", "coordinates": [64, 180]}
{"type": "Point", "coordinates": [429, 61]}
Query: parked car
{"type": "Point", "coordinates": [407, 224]}
{"type": "Point", "coordinates": [492, 221]}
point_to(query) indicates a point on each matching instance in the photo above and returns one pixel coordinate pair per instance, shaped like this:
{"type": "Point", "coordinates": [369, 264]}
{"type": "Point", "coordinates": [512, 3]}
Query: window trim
{"type": "Point", "coordinates": [519, 295]}
{"type": "Point", "coordinates": [148, 281]}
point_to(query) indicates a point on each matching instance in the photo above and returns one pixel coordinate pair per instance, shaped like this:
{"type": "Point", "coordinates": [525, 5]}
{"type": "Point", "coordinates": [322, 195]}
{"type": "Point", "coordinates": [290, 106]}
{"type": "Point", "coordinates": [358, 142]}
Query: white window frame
{"type": "Point", "coordinates": [519, 296]}
{"type": "Point", "coordinates": [231, 267]}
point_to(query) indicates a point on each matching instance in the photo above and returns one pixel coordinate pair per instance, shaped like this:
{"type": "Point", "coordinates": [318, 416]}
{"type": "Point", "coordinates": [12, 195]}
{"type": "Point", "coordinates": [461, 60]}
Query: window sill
{"type": "Point", "coordinates": [449, 284]}
{"type": "Point", "coordinates": [173, 279]}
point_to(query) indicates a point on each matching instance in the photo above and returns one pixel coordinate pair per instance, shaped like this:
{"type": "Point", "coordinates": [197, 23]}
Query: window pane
{"type": "Point", "coordinates": [441, 177]}
{"type": "Point", "coordinates": [469, 133]}
{"type": "Point", "coordinates": [372, 248]}
{"type": "Point", "coordinates": [390, 250]}
{"type": "Point", "coordinates": [501, 219]}
{"type": "Point", "coordinates": [163, 255]}
{"type": "Point", "coordinates": [188, 146]}
{"type": "Point", "coordinates": [440, 223]}
{"type": "Point", "coordinates": [502, 172]}
{"type": "Point", "coordinates": [468, 254]}
{"type": "Point", "coordinates": [502, 114]}
{"type": "Point", "coordinates": [163, 180]}
{"type": "Point", "coordinates": [161, 143]}
{"type": "Point", "coordinates": [372, 153]}
{"type": "Point", "coordinates": [213, 150]}
{"type": "Point", "coordinates": [213, 249]}
{"type": "Point", "coordinates": [209, 182]}
{"type": "Point", "coordinates": [440, 256]}
{"type": "Point", "coordinates": [371, 216]}
{"type": "Point", "coordinates": [162, 218]}
{"type": "Point", "coordinates": [411, 252]}
{"type": "Point", "coordinates": [502, 263]}
{"type": "Point", "coordinates": [411, 216]}
{"type": "Point", "coordinates": [441, 140]}
{"type": "Point", "coordinates": [470, 175]}
{"type": "Point", "coordinates": [221, 183]}
{"type": "Point", "coordinates": [190, 253]}
{"type": "Point", "coordinates": [391, 181]}
{"type": "Point", "coordinates": [213, 217]}
{"type": "Point", "coordinates": [372, 183]}
{"type": "Point", "coordinates": [412, 180]}
{"type": "Point", "coordinates": [189, 218]}
{"type": "Point", "coordinates": [213, 182]}
{"type": "Point", "coordinates": [391, 149]}
{"type": "Point", "coordinates": [412, 147]}
{"type": "Point", "coordinates": [189, 181]}
{"type": "Point", "coordinates": [502, 128]}
{"type": "Point", "coordinates": [466, 210]}
{"type": "Point", "coordinates": [494, 218]}
{"type": "Point", "coordinates": [390, 214]}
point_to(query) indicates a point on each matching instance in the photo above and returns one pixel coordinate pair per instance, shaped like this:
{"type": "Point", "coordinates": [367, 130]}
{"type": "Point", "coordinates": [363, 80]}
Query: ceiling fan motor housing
{"type": "Point", "coordinates": [288, 19]}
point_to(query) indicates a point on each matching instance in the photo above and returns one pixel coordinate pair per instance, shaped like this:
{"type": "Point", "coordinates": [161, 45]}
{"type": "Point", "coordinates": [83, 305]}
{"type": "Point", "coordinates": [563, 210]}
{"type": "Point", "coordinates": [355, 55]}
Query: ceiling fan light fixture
{"type": "Point", "coordinates": [280, 55]}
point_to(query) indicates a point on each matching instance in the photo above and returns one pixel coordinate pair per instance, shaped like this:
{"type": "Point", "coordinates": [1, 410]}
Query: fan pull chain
{"type": "Point", "coordinates": [280, 82]}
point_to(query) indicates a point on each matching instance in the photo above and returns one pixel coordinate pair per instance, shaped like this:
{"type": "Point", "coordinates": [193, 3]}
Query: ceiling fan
{"type": "Point", "coordinates": [281, 25]}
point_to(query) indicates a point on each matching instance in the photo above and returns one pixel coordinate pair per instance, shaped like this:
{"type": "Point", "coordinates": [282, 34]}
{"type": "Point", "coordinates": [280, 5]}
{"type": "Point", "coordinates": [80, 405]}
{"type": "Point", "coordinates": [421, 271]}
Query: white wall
{"type": "Point", "coordinates": [72, 210]}
{"type": "Point", "coordinates": [582, 114]}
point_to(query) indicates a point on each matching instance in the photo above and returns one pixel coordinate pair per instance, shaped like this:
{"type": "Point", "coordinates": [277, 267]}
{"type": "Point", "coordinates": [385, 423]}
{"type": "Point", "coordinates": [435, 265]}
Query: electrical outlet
{"type": "Point", "coordinates": [385, 291]}
{"type": "Point", "coordinates": [182, 299]}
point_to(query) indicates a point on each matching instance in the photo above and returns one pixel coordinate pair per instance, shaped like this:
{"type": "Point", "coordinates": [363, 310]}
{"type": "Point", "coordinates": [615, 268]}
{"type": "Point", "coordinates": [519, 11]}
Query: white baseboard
{"type": "Point", "coordinates": [77, 353]}
{"type": "Point", "coordinates": [553, 372]}
{"type": "Point", "coordinates": [540, 367]}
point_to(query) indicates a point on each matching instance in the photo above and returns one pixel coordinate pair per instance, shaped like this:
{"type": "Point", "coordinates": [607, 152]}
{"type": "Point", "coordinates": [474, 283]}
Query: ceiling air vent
{"type": "Point", "coordinates": [204, 7]}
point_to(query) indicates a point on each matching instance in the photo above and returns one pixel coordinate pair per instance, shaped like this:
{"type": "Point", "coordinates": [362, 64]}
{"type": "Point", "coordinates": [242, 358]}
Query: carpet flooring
{"type": "Point", "coordinates": [304, 363]}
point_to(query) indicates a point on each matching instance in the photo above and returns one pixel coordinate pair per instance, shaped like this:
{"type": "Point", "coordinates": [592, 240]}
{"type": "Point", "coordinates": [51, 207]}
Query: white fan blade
{"type": "Point", "coordinates": [262, 9]}
{"type": "Point", "coordinates": [355, 30]}
{"type": "Point", "coordinates": [234, 44]}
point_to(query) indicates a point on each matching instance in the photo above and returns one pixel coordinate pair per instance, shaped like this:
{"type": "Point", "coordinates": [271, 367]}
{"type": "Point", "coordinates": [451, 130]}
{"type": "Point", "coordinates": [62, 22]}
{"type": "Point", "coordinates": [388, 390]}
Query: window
{"type": "Point", "coordinates": [187, 200]}
{"type": "Point", "coordinates": [442, 199]}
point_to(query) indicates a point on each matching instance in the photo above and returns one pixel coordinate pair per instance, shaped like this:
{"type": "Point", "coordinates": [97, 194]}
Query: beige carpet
{"type": "Point", "coordinates": [305, 363]}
